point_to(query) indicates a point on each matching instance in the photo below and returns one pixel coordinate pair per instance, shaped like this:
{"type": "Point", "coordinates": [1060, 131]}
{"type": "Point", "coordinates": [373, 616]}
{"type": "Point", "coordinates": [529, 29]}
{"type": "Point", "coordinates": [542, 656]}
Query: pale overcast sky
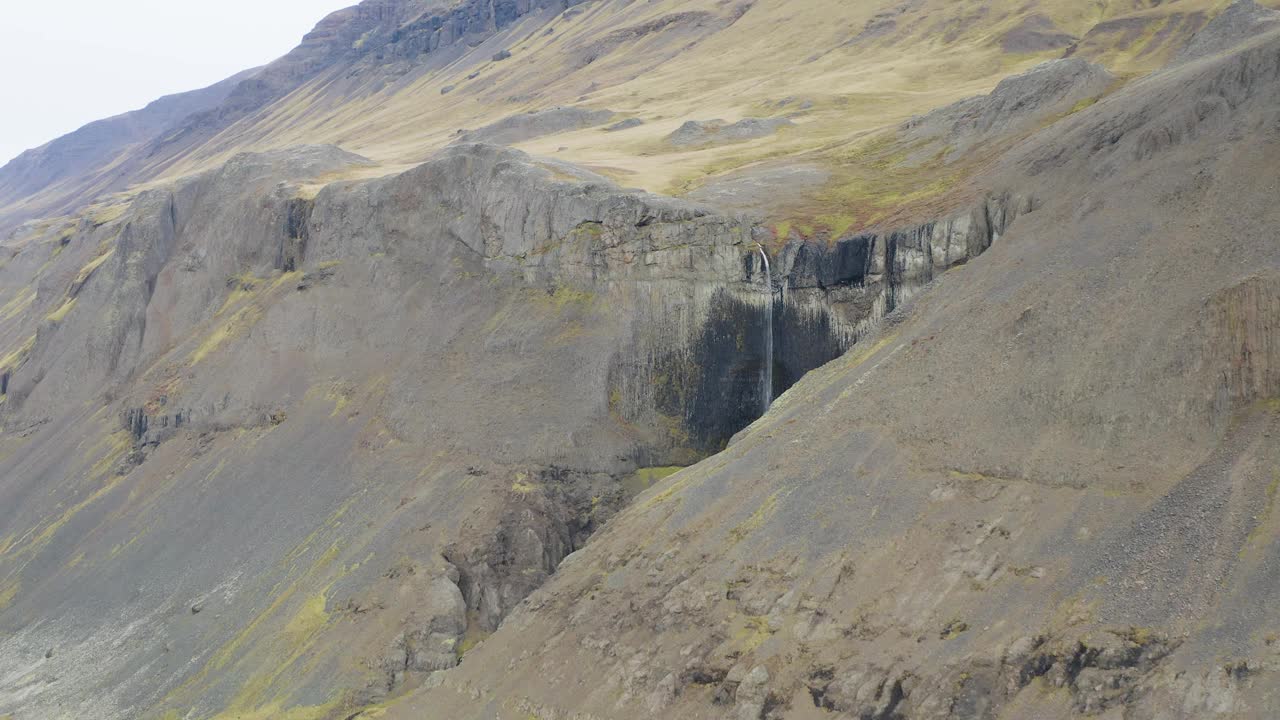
{"type": "Point", "coordinates": [64, 63]}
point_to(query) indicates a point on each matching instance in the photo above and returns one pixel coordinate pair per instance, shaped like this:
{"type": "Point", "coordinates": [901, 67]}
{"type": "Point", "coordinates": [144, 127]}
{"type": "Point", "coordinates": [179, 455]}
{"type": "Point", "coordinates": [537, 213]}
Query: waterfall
{"type": "Point", "coordinates": [766, 388]}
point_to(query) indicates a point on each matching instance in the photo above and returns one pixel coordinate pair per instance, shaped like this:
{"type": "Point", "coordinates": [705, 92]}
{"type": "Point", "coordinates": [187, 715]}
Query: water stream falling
{"type": "Point", "coordinates": [766, 389]}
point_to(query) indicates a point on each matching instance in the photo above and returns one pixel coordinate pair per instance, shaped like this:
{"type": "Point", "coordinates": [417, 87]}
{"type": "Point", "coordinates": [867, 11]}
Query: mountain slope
{"type": "Point", "coordinates": [314, 408]}
{"type": "Point", "coordinates": [1045, 492]}
{"type": "Point", "coordinates": [66, 167]}
{"type": "Point", "coordinates": [395, 79]}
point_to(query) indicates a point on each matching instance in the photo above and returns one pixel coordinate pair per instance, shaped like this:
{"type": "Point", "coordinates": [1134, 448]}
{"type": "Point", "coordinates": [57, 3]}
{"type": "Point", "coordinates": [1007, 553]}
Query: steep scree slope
{"type": "Point", "coordinates": [1046, 491]}
{"type": "Point", "coordinates": [294, 432]}
{"type": "Point", "coordinates": [243, 432]}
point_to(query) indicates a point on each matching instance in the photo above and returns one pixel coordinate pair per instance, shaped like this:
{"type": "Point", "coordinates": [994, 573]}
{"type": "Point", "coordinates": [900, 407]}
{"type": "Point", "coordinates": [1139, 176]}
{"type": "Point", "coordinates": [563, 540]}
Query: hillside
{"type": "Point", "coordinates": [894, 360]}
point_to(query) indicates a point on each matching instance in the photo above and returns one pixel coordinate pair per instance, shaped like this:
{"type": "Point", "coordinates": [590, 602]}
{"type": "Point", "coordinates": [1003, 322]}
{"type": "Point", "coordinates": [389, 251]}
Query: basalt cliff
{"type": "Point", "coordinates": [676, 360]}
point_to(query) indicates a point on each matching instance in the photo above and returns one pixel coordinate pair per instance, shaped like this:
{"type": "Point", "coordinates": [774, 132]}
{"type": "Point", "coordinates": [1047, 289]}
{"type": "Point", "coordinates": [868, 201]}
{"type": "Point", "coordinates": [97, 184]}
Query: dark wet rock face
{"type": "Point", "coordinates": [710, 390]}
{"type": "Point", "coordinates": [551, 514]}
{"type": "Point", "coordinates": [830, 295]}
{"type": "Point", "coordinates": [702, 390]}
{"type": "Point", "coordinates": [293, 242]}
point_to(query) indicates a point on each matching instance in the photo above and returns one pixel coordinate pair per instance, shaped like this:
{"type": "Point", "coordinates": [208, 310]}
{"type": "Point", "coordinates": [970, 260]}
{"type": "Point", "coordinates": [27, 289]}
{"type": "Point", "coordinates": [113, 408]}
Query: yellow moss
{"type": "Point", "coordinates": [217, 470]}
{"type": "Point", "coordinates": [674, 486]}
{"type": "Point", "coordinates": [288, 278]}
{"type": "Point", "coordinates": [862, 354]}
{"type": "Point", "coordinates": [757, 519]}
{"type": "Point", "coordinates": [1259, 535]}
{"type": "Point", "coordinates": [1137, 635]}
{"type": "Point", "coordinates": [673, 426]}
{"type": "Point", "coordinates": [113, 447]}
{"type": "Point", "coordinates": [473, 637]}
{"type": "Point", "coordinates": [340, 397]}
{"type": "Point", "coordinates": [309, 619]}
{"type": "Point", "coordinates": [10, 361]}
{"type": "Point", "coordinates": [954, 629]}
{"type": "Point", "coordinates": [52, 528]}
{"type": "Point", "coordinates": [279, 650]}
{"type": "Point", "coordinates": [275, 710]}
{"type": "Point", "coordinates": [226, 331]}
{"type": "Point", "coordinates": [8, 594]}
{"type": "Point", "coordinates": [121, 548]}
{"type": "Point", "coordinates": [228, 651]}
{"type": "Point", "coordinates": [645, 478]}
{"type": "Point", "coordinates": [243, 286]}
{"type": "Point", "coordinates": [61, 313]}
{"type": "Point", "coordinates": [563, 296]}
{"type": "Point", "coordinates": [298, 636]}
{"type": "Point", "coordinates": [92, 265]}
{"type": "Point", "coordinates": [522, 485]}
{"type": "Point", "coordinates": [750, 633]}
{"type": "Point", "coordinates": [835, 223]}
{"type": "Point", "coordinates": [73, 562]}
{"type": "Point", "coordinates": [19, 302]}
{"type": "Point", "coordinates": [1081, 105]}
{"type": "Point", "coordinates": [102, 215]}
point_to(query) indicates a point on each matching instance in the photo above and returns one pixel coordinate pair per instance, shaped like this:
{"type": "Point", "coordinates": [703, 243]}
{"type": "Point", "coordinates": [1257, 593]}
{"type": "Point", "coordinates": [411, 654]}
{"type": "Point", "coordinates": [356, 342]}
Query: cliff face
{"type": "Point", "coordinates": [1043, 489]}
{"type": "Point", "coordinates": [211, 324]}
{"type": "Point", "coordinates": [303, 436]}
{"type": "Point", "coordinates": [831, 295]}
{"type": "Point", "coordinates": [554, 336]}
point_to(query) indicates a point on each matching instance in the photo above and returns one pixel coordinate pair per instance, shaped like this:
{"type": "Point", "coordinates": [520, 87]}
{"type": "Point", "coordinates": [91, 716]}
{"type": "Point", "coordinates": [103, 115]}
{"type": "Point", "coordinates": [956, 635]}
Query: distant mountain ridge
{"type": "Point", "coordinates": [108, 155]}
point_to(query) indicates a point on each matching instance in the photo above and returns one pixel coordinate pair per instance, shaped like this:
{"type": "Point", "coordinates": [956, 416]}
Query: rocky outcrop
{"type": "Point", "coordinates": [1100, 671]}
{"type": "Point", "coordinates": [673, 30]}
{"type": "Point", "coordinates": [1016, 104]}
{"type": "Point", "coordinates": [695, 133]}
{"type": "Point", "coordinates": [536, 124]}
{"type": "Point", "coordinates": [1034, 34]}
{"type": "Point", "coordinates": [1210, 97]}
{"type": "Point", "coordinates": [552, 512]}
{"type": "Point", "coordinates": [1246, 330]}
{"type": "Point", "coordinates": [624, 125]}
{"type": "Point", "coordinates": [1241, 20]}
{"type": "Point", "coordinates": [434, 645]}
{"type": "Point", "coordinates": [108, 328]}
{"type": "Point", "coordinates": [831, 295]}
{"type": "Point", "coordinates": [428, 29]}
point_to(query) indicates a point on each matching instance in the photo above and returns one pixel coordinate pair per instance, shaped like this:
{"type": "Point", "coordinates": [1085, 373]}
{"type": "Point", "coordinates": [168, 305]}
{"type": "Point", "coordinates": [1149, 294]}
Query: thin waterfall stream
{"type": "Point", "coordinates": [766, 388]}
